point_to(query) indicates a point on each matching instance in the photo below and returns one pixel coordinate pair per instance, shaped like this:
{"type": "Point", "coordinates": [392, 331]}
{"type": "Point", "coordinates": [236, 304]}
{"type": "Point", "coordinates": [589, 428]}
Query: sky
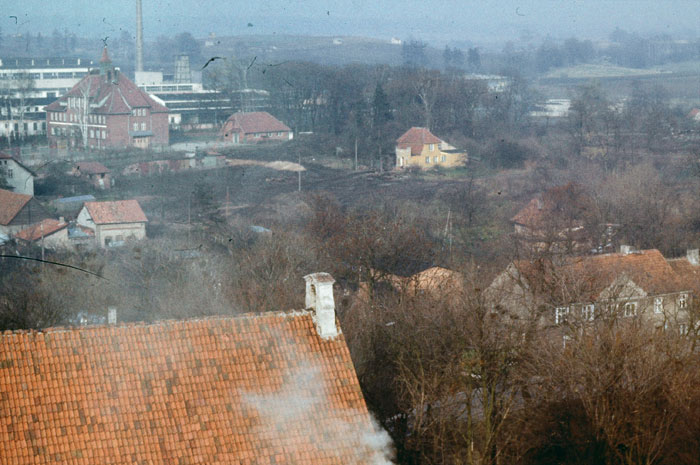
{"type": "Point", "coordinates": [436, 22]}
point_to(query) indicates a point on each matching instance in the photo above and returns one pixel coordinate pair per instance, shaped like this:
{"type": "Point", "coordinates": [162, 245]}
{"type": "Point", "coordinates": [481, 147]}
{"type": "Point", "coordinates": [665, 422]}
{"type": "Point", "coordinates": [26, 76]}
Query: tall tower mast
{"type": "Point", "coordinates": [139, 37]}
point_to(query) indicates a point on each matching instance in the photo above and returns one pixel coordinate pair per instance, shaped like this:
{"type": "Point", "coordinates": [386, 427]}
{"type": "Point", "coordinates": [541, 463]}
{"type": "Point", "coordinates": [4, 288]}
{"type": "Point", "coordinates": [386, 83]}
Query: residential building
{"type": "Point", "coordinates": [17, 211]}
{"type": "Point", "coordinates": [267, 388]}
{"type": "Point", "coordinates": [94, 172]}
{"type": "Point", "coordinates": [257, 126]}
{"type": "Point", "coordinates": [106, 110]}
{"type": "Point", "coordinates": [28, 85]}
{"type": "Point", "coordinates": [421, 148]}
{"type": "Point", "coordinates": [17, 177]}
{"type": "Point", "coordinates": [49, 233]}
{"type": "Point", "coordinates": [631, 283]}
{"type": "Point", "coordinates": [114, 222]}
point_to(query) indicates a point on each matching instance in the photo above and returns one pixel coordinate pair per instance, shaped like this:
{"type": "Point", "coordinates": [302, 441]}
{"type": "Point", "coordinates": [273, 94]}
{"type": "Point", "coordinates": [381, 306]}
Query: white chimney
{"type": "Point", "coordinates": [319, 296]}
{"type": "Point", "coordinates": [626, 249]}
{"type": "Point", "coordinates": [111, 316]}
{"type": "Point", "coordinates": [693, 256]}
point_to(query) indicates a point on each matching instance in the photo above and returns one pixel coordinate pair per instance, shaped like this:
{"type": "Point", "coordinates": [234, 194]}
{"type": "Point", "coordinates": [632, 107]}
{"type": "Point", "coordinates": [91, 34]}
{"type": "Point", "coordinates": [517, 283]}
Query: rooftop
{"type": "Point", "coordinates": [41, 229]}
{"type": "Point", "coordinates": [11, 204]}
{"type": "Point", "coordinates": [119, 211]}
{"type": "Point", "coordinates": [252, 389]}
{"type": "Point", "coordinates": [416, 138]}
{"type": "Point", "coordinates": [255, 122]}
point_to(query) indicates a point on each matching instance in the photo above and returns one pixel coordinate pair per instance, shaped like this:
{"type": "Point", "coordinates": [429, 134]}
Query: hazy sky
{"type": "Point", "coordinates": [435, 22]}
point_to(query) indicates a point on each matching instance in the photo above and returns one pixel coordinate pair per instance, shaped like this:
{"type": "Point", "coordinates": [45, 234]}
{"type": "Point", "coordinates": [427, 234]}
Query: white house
{"type": "Point", "coordinates": [114, 222]}
{"type": "Point", "coordinates": [18, 177]}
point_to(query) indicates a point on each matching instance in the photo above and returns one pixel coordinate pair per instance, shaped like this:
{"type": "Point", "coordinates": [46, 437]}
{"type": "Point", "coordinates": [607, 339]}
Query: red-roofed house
{"type": "Point", "coordinates": [269, 388]}
{"type": "Point", "coordinates": [252, 127]}
{"type": "Point", "coordinates": [627, 284]}
{"type": "Point", "coordinates": [420, 147]}
{"type": "Point", "coordinates": [53, 232]}
{"type": "Point", "coordinates": [106, 110]}
{"type": "Point", "coordinates": [94, 172]}
{"type": "Point", "coordinates": [17, 211]}
{"type": "Point", "coordinates": [114, 222]}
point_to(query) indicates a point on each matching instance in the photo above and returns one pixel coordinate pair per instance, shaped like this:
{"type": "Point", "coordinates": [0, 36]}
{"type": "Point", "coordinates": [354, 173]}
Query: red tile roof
{"type": "Point", "coordinates": [11, 204]}
{"type": "Point", "coordinates": [584, 278]}
{"type": "Point", "coordinates": [110, 97]}
{"type": "Point", "coordinates": [416, 138]}
{"type": "Point", "coordinates": [688, 273]}
{"type": "Point", "coordinates": [254, 122]}
{"type": "Point", "coordinates": [44, 228]}
{"type": "Point", "coordinates": [120, 211]}
{"type": "Point", "coordinates": [247, 390]}
{"type": "Point", "coordinates": [91, 167]}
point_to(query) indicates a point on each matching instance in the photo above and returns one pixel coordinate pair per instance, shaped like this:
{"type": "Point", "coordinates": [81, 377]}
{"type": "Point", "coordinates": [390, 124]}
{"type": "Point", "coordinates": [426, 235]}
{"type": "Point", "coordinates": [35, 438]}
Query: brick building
{"type": "Point", "coordinates": [257, 126]}
{"type": "Point", "coordinates": [106, 110]}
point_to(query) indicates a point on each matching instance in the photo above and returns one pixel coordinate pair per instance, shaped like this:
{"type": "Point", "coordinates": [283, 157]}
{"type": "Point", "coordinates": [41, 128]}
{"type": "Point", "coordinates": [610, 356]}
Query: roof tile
{"type": "Point", "coordinates": [11, 203]}
{"type": "Point", "coordinates": [119, 211]}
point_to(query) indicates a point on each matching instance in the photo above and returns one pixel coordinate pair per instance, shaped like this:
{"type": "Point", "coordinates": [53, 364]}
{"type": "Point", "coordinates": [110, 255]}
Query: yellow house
{"type": "Point", "coordinates": [419, 147]}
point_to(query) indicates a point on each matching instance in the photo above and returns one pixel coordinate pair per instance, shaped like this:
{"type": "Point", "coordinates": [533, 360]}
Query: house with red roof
{"type": "Point", "coordinates": [17, 211]}
{"type": "Point", "coordinates": [421, 148]}
{"type": "Point", "coordinates": [15, 175]}
{"type": "Point", "coordinates": [49, 233]}
{"type": "Point", "coordinates": [626, 285]}
{"type": "Point", "coordinates": [106, 109]}
{"type": "Point", "coordinates": [252, 127]}
{"type": "Point", "coordinates": [269, 388]}
{"type": "Point", "coordinates": [114, 221]}
{"type": "Point", "coordinates": [93, 172]}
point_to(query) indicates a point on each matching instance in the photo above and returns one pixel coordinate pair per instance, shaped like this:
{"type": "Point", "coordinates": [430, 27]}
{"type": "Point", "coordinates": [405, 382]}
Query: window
{"type": "Point", "coordinates": [104, 134]}
{"type": "Point", "coordinates": [443, 159]}
{"type": "Point", "coordinates": [143, 126]}
{"type": "Point", "coordinates": [108, 240]}
{"type": "Point", "coordinates": [35, 126]}
{"type": "Point", "coordinates": [630, 309]}
{"type": "Point", "coordinates": [658, 304]}
{"type": "Point", "coordinates": [560, 315]}
{"type": "Point", "coordinates": [427, 160]}
{"type": "Point", "coordinates": [683, 301]}
{"type": "Point", "coordinates": [432, 147]}
{"type": "Point", "coordinates": [435, 159]}
{"type": "Point", "coordinates": [588, 312]}
{"type": "Point", "coordinates": [10, 174]}
{"type": "Point", "coordinates": [683, 329]}
{"type": "Point", "coordinates": [120, 238]}
{"type": "Point", "coordinates": [92, 133]}
{"type": "Point", "coordinates": [136, 126]}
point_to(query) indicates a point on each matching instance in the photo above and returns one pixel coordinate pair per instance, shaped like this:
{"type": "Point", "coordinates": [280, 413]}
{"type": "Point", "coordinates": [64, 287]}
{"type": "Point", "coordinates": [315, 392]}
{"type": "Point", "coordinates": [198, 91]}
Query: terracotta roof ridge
{"type": "Point", "coordinates": [167, 322]}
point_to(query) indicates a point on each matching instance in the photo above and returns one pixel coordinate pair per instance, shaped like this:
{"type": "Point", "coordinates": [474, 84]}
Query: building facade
{"type": "Point", "coordinates": [253, 127]}
{"type": "Point", "coordinates": [113, 222]}
{"type": "Point", "coordinates": [106, 110]}
{"type": "Point", "coordinates": [15, 175]}
{"type": "Point", "coordinates": [420, 148]}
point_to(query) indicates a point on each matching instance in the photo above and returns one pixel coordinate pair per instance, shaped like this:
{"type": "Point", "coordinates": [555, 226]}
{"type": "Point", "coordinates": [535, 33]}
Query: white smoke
{"type": "Point", "coordinates": [302, 403]}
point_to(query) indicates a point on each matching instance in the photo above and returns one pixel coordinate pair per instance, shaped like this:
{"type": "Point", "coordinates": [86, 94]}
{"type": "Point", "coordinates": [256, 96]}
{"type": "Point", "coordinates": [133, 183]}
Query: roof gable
{"type": "Point", "coordinates": [42, 229]}
{"type": "Point", "coordinates": [251, 389]}
{"type": "Point", "coordinates": [416, 138]}
{"type": "Point", "coordinates": [11, 204]}
{"type": "Point", "coordinates": [255, 122]}
{"type": "Point", "coordinates": [120, 211]}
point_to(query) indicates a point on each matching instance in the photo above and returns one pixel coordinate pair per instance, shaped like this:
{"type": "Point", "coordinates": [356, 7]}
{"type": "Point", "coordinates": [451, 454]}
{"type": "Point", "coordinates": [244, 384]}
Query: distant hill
{"type": "Point", "coordinates": [339, 50]}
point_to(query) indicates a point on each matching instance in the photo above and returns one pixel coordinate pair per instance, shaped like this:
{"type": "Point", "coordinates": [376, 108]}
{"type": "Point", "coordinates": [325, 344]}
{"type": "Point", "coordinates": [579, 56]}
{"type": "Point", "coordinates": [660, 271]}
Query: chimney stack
{"type": "Point", "coordinates": [111, 316]}
{"type": "Point", "coordinates": [693, 256]}
{"type": "Point", "coordinates": [139, 37]}
{"type": "Point", "coordinates": [319, 296]}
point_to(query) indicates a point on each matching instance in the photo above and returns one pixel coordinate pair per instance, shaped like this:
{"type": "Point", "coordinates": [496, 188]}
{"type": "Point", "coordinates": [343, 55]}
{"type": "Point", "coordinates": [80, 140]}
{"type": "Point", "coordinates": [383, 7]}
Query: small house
{"type": "Point", "coordinates": [17, 211]}
{"type": "Point", "coordinates": [421, 148]}
{"type": "Point", "coordinates": [114, 222]}
{"type": "Point", "coordinates": [93, 172]}
{"type": "Point", "coordinates": [16, 176]}
{"type": "Point", "coordinates": [252, 127]}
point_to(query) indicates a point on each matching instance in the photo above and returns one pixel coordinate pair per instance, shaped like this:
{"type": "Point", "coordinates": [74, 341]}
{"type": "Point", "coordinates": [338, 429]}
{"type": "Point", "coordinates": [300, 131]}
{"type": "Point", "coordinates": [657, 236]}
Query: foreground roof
{"type": "Point", "coordinates": [11, 203]}
{"type": "Point", "coordinates": [257, 121]}
{"type": "Point", "coordinates": [119, 211]}
{"type": "Point", "coordinates": [254, 389]}
{"type": "Point", "coordinates": [43, 228]}
{"type": "Point", "coordinates": [416, 138]}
